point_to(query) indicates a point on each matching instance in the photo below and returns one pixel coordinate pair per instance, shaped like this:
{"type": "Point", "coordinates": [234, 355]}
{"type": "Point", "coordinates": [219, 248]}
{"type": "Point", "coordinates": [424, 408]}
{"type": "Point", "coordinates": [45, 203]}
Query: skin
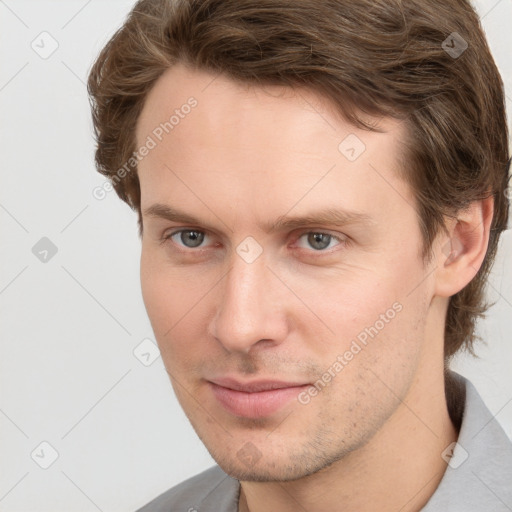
{"type": "Point", "coordinates": [242, 158]}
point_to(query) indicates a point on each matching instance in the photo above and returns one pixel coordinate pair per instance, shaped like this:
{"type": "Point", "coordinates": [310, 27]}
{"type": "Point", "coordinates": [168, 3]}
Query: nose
{"type": "Point", "coordinates": [250, 310]}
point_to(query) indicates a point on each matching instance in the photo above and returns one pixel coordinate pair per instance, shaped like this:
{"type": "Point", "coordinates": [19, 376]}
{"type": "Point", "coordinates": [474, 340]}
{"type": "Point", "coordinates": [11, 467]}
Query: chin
{"type": "Point", "coordinates": [274, 468]}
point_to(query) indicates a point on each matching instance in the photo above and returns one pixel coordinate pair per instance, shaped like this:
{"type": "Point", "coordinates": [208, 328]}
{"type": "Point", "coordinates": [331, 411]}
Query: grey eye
{"type": "Point", "coordinates": [319, 240]}
{"type": "Point", "coordinates": [191, 238]}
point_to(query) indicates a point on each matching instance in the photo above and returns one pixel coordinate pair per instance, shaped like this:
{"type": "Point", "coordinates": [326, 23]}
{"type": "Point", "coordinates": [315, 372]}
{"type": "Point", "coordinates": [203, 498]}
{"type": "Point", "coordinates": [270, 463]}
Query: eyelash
{"type": "Point", "coordinates": [166, 238]}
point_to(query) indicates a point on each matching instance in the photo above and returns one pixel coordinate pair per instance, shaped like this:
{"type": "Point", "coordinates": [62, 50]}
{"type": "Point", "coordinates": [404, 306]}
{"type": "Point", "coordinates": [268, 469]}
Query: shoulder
{"type": "Point", "coordinates": [210, 490]}
{"type": "Point", "coordinates": [479, 472]}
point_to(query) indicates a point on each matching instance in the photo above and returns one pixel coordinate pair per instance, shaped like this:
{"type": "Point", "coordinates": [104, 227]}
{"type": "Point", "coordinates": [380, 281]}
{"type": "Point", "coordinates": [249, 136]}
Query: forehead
{"type": "Point", "coordinates": [223, 135]}
{"type": "Point", "coordinates": [220, 103]}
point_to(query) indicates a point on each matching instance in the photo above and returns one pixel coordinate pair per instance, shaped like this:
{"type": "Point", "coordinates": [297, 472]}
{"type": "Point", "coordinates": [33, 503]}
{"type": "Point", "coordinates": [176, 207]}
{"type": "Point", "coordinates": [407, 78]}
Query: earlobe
{"type": "Point", "coordinates": [462, 248]}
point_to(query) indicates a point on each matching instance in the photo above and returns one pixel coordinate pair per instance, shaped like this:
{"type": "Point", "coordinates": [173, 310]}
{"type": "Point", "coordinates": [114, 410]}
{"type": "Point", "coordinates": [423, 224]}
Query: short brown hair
{"type": "Point", "coordinates": [380, 57]}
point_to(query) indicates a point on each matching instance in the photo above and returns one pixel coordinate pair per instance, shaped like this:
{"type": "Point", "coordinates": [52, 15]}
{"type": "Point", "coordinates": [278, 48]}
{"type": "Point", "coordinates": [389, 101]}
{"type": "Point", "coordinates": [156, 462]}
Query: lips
{"type": "Point", "coordinates": [256, 399]}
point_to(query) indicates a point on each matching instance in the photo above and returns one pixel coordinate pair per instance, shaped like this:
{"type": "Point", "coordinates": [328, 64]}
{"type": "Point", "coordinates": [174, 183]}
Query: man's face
{"type": "Point", "coordinates": [240, 295]}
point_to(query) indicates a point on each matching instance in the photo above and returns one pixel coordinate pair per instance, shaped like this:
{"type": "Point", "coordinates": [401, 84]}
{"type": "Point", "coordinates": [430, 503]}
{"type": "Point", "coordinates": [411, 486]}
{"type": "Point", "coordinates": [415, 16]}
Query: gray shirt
{"type": "Point", "coordinates": [478, 476]}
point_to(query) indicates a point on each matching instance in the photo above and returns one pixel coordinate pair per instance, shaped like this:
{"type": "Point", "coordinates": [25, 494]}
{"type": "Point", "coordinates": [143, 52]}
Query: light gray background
{"type": "Point", "coordinates": [68, 372]}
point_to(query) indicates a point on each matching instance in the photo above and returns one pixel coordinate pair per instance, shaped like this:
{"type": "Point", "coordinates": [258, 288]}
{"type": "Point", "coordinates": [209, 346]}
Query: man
{"type": "Point", "coordinates": [320, 187]}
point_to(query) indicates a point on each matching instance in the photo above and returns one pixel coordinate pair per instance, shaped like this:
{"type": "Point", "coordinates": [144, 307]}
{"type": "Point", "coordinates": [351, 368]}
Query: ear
{"type": "Point", "coordinates": [461, 250]}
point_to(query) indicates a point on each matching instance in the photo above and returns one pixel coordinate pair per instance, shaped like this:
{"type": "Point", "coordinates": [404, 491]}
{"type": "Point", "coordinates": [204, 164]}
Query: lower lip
{"type": "Point", "coordinates": [254, 405]}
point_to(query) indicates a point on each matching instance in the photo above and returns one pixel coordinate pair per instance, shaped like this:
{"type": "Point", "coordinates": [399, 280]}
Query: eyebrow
{"type": "Point", "coordinates": [326, 216]}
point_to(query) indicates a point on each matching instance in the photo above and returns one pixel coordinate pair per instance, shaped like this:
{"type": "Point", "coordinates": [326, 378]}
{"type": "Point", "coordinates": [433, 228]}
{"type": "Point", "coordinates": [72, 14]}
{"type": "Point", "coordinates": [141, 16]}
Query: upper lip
{"type": "Point", "coordinates": [254, 386]}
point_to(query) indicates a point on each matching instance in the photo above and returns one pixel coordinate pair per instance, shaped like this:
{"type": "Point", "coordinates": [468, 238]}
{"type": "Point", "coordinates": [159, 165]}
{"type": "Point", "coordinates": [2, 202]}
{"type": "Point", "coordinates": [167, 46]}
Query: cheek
{"type": "Point", "coordinates": [155, 293]}
{"type": "Point", "coordinates": [175, 304]}
{"type": "Point", "coordinates": [166, 290]}
{"type": "Point", "coordinates": [349, 302]}
{"type": "Point", "coordinates": [383, 305]}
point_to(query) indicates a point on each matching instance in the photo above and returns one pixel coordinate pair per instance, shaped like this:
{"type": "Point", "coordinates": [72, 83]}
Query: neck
{"type": "Point", "coordinates": [398, 469]}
